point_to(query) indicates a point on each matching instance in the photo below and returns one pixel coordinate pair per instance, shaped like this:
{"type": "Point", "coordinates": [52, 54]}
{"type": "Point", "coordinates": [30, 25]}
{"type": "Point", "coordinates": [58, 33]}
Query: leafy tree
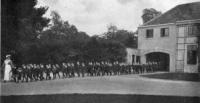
{"type": "Point", "coordinates": [149, 14]}
{"type": "Point", "coordinates": [62, 41]}
{"type": "Point", "coordinates": [100, 49]}
{"type": "Point", "coordinates": [23, 35]}
{"type": "Point", "coordinates": [21, 24]}
{"type": "Point", "coordinates": [112, 28]}
{"type": "Point", "coordinates": [123, 36]}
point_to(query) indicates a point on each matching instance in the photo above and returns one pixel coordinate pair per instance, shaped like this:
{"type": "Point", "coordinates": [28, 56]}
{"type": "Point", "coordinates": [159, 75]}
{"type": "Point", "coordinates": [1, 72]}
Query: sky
{"type": "Point", "coordinates": [93, 16]}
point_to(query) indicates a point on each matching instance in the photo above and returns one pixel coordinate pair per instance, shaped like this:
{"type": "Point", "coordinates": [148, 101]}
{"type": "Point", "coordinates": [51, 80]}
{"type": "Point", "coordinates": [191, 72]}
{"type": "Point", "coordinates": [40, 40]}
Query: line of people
{"type": "Point", "coordinates": [38, 72]}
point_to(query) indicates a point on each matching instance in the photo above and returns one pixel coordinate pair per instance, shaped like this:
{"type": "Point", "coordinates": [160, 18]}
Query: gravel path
{"type": "Point", "coordinates": [125, 84]}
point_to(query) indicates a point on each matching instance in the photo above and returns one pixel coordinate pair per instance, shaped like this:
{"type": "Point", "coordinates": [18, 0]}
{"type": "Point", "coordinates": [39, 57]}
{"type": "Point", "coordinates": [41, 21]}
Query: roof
{"type": "Point", "coordinates": [190, 11]}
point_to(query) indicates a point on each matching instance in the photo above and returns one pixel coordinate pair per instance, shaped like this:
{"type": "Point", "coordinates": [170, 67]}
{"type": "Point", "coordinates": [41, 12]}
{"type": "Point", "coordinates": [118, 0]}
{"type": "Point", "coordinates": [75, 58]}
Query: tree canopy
{"type": "Point", "coordinates": [149, 14]}
{"type": "Point", "coordinates": [125, 37]}
{"type": "Point", "coordinates": [32, 38]}
{"type": "Point", "coordinates": [63, 42]}
{"type": "Point", "coordinates": [22, 23]}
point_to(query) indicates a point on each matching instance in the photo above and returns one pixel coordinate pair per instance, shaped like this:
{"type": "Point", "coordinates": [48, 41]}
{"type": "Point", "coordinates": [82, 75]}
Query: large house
{"type": "Point", "coordinates": [171, 39]}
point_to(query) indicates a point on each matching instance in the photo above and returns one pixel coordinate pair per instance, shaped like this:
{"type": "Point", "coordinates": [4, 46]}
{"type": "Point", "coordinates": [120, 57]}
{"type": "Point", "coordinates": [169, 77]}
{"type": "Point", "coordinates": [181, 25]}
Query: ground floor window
{"type": "Point", "coordinates": [192, 54]}
{"type": "Point", "coordinates": [138, 59]}
{"type": "Point", "coordinates": [133, 59]}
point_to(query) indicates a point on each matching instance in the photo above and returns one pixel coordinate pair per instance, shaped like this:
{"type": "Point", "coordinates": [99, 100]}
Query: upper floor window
{"type": "Point", "coordinates": [149, 33]}
{"type": "Point", "coordinates": [164, 32]}
{"type": "Point", "coordinates": [193, 30]}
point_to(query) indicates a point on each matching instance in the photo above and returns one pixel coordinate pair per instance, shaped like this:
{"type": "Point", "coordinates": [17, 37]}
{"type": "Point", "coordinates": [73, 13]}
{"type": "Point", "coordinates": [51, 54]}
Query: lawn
{"type": "Point", "coordinates": [97, 98]}
{"type": "Point", "coordinates": [176, 76]}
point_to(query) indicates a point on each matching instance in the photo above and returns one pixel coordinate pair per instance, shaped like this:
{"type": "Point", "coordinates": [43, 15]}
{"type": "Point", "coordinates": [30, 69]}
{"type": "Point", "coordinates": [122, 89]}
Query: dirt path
{"type": "Point", "coordinates": [127, 84]}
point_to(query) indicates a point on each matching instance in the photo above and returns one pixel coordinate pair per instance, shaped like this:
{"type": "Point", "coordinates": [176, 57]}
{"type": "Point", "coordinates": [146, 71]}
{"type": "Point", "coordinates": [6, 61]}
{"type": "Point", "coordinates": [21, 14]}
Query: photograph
{"type": "Point", "coordinates": [100, 51]}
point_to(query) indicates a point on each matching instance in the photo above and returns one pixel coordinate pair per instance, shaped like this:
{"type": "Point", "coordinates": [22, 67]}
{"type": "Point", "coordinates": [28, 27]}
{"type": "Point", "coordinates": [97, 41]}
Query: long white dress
{"type": "Point", "coordinates": [7, 70]}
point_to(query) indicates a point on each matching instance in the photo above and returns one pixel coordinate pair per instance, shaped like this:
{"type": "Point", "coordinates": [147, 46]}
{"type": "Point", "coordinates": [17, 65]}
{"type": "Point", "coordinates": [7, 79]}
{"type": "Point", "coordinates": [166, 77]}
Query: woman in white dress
{"type": "Point", "coordinates": [7, 68]}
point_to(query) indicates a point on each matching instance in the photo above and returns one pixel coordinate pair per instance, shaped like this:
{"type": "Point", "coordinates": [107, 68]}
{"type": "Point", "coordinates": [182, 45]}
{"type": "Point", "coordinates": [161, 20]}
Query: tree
{"type": "Point", "coordinates": [112, 28]}
{"type": "Point", "coordinates": [125, 37]}
{"type": "Point", "coordinates": [23, 35]}
{"type": "Point", "coordinates": [149, 14]}
{"type": "Point", "coordinates": [61, 41]}
{"type": "Point", "coordinates": [56, 19]}
{"type": "Point", "coordinates": [21, 25]}
{"type": "Point", "coordinates": [100, 49]}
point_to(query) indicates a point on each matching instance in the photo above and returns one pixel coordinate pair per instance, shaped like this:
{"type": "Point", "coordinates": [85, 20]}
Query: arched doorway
{"type": "Point", "coordinates": [161, 58]}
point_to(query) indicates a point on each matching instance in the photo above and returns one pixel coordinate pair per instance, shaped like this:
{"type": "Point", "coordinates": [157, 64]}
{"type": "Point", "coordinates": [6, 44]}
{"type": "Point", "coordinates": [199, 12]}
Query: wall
{"type": "Point", "coordinates": [185, 40]}
{"type": "Point", "coordinates": [188, 40]}
{"type": "Point", "coordinates": [188, 67]}
{"type": "Point", "coordinates": [158, 43]}
{"type": "Point", "coordinates": [130, 52]}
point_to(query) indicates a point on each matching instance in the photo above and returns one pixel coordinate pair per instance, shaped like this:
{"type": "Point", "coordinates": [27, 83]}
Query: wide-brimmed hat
{"type": "Point", "coordinates": [8, 55]}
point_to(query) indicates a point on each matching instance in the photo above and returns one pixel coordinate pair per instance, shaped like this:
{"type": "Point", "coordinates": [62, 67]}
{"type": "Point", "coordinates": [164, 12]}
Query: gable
{"type": "Point", "coordinates": [182, 12]}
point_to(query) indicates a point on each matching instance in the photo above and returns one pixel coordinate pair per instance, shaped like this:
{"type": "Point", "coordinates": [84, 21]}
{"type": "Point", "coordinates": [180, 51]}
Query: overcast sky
{"type": "Point", "coordinates": [93, 16]}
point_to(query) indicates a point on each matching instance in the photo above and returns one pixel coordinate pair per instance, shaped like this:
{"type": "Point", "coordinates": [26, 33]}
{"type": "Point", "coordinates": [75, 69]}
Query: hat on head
{"type": "Point", "coordinates": [8, 55]}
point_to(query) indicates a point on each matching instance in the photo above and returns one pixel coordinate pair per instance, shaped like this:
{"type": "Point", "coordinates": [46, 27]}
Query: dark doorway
{"type": "Point", "coordinates": [138, 59]}
{"type": "Point", "coordinates": [133, 59]}
{"type": "Point", "coordinates": [162, 59]}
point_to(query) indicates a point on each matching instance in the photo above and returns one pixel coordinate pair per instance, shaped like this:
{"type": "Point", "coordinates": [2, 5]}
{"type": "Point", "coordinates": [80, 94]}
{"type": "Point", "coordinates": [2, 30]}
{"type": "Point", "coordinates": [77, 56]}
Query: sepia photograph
{"type": "Point", "coordinates": [100, 51]}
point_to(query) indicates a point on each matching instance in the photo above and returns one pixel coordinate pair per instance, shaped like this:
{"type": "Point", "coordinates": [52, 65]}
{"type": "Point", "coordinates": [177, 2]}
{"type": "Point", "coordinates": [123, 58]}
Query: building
{"type": "Point", "coordinates": [133, 56]}
{"type": "Point", "coordinates": [171, 39]}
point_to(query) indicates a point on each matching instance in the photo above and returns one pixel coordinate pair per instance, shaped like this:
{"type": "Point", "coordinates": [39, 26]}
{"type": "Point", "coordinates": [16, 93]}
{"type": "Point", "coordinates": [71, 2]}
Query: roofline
{"type": "Point", "coordinates": [188, 21]}
{"type": "Point", "coordinates": [145, 24]}
{"type": "Point", "coordinates": [153, 19]}
{"type": "Point", "coordinates": [177, 22]}
{"type": "Point", "coordinates": [160, 15]}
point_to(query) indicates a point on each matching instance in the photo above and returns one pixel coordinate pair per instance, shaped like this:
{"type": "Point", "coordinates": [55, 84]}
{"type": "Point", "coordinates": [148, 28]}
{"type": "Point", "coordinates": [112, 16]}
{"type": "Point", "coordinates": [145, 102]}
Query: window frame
{"type": "Point", "coordinates": [133, 59]}
{"type": "Point", "coordinates": [192, 60]}
{"type": "Point", "coordinates": [149, 34]}
{"type": "Point", "coordinates": [192, 30]}
{"type": "Point", "coordinates": [163, 32]}
{"type": "Point", "coordinates": [138, 59]}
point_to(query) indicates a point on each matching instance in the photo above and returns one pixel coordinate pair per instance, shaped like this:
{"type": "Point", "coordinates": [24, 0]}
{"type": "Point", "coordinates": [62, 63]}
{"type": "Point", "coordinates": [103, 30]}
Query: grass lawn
{"type": "Point", "coordinates": [97, 98]}
{"type": "Point", "coordinates": [176, 76]}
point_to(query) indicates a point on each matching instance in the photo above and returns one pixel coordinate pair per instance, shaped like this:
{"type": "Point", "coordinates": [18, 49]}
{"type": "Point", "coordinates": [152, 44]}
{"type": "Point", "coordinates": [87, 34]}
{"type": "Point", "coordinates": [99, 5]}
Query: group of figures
{"type": "Point", "coordinates": [39, 72]}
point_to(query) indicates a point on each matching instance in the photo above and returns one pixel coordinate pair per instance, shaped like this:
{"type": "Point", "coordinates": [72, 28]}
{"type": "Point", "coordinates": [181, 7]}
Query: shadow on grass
{"type": "Point", "coordinates": [97, 98]}
{"type": "Point", "coordinates": [176, 76]}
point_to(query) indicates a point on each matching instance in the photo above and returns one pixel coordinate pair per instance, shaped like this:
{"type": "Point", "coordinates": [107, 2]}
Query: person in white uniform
{"type": "Point", "coordinates": [7, 68]}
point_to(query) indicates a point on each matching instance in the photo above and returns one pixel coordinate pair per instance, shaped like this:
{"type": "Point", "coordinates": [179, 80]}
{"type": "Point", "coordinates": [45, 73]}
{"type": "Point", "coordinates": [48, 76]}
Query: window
{"type": "Point", "coordinates": [138, 59]}
{"type": "Point", "coordinates": [164, 32]}
{"type": "Point", "coordinates": [133, 59]}
{"type": "Point", "coordinates": [149, 33]}
{"type": "Point", "coordinates": [193, 30]}
{"type": "Point", "coordinates": [192, 54]}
